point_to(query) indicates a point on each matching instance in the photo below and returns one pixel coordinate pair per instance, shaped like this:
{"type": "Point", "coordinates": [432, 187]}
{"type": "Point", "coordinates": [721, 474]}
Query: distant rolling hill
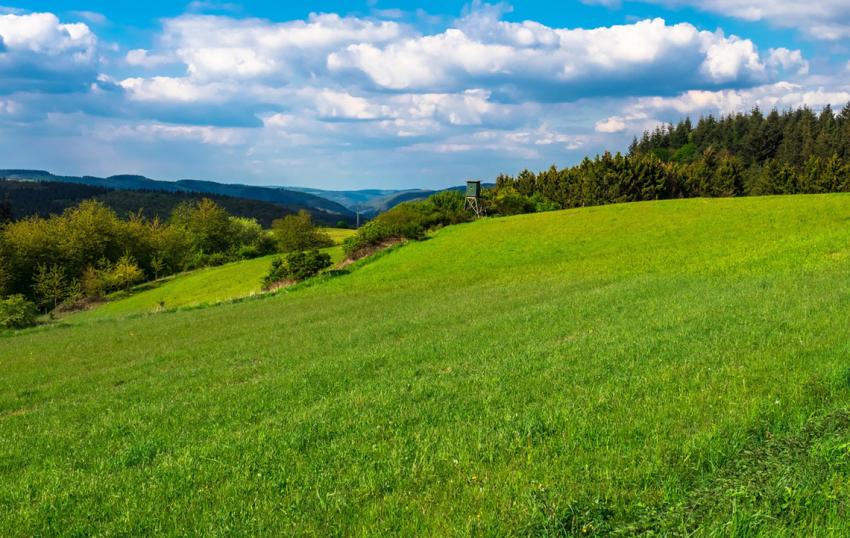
{"type": "Point", "coordinates": [371, 202]}
{"type": "Point", "coordinates": [44, 198]}
{"type": "Point", "coordinates": [323, 210]}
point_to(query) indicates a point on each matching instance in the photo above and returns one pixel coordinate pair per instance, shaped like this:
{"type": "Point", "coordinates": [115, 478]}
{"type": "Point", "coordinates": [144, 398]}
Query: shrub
{"type": "Point", "coordinates": [296, 267]}
{"type": "Point", "coordinates": [17, 313]}
{"type": "Point", "coordinates": [372, 233]}
{"type": "Point", "coordinates": [447, 207]}
{"type": "Point", "coordinates": [277, 273]}
{"type": "Point", "coordinates": [246, 252]}
{"type": "Point", "coordinates": [208, 227]}
{"type": "Point", "coordinates": [508, 201]}
{"type": "Point", "coordinates": [217, 258]}
{"type": "Point", "coordinates": [108, 277]}
{"type": "Point", "coordinates": [126, 272]}
{"type": "Point", "coordinates": [409, 220]}
{"type": "Point", "coordinates": [41, 258]}
{"type": "Point", "coordinates": [50, 285]}
{"type": "Point", "coordinates": [93, 283]}
{"type": "Point", "coordinates": [158, 266]}
{"type": "Point", "coordinates": [245, 231]}
{"type": "Point", "coordinates": [541, 203]}
{"type": "Point", "coordinates": [303, 265]}
{"type": "Point", "coordinates": [297, 232]}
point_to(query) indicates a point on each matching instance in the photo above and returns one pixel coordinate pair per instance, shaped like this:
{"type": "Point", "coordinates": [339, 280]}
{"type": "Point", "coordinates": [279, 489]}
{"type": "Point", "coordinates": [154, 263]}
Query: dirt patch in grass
{"type": "Point", "coordinates": [77, 306]}
{"type": "Point", "coordinates": [280, 284]}
{"type": "Point", "coordinates": [368, 251]}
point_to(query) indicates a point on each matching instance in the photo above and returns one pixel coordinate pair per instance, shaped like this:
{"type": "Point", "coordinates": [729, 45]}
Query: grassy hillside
{"type": "Point", "coordinates": [678, 366]}
{"type": "Point", "coordinates": [204, 286]}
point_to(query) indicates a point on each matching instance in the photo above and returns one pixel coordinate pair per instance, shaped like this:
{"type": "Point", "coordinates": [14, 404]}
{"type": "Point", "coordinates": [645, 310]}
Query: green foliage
{"type": "Point", "coordinates": [686, 153]}
{"type": "Point", "coordinates": [606, 179]}
{"type": "Point", "coordinates": [89, 250]}
{"type": "Point", "coordinates": [372, 233]}
{"type": "Point", "coordinates": [302, 265]}
{"type": "Point", "coordinates": [409, 220]}
{"type": "Point", "coordinates": [508, 201]}
{"type": "Point", "coordinates": [298, 232]}
{"type": "Point", "coordinates": [253, 241]}
{"type": "Point", "coordinates": [50, 285]}
{"type": "Point", "coordinates": [737, 155]}
{"type": "Point", "coordinates": [93, 282]}
{"type": "Point", "coordinates": [277, 273]}
{"type": "Point", "coordinates": [297, 266]}
{"type": "Point", "coordinates": [16, 312]}
{"type": "Point", "coordinates": [108, 276]}
{"type": "Point", "coordinates": [208, 226]}
{"type": "Point", "coordinates": [158, 266]}
{"type": "Point", "coordinates": [125, 273]}
{"type": "Point", "coordinates": [445, 207]}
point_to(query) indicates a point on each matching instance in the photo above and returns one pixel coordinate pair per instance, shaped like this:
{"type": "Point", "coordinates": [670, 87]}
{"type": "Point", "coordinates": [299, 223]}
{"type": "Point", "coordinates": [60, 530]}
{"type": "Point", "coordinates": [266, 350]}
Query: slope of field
{"type": "Point", "coordinates": [678, 366]}
{"type": "Point", "coordinates": [204, 286]}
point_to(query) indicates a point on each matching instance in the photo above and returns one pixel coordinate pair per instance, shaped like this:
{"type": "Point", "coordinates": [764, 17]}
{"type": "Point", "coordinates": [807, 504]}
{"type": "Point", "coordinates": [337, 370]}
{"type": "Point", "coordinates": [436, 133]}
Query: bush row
{"type": "Point", "coordinates": [296, 266]}
{"type": "Point", "coordinates": [88, 251]}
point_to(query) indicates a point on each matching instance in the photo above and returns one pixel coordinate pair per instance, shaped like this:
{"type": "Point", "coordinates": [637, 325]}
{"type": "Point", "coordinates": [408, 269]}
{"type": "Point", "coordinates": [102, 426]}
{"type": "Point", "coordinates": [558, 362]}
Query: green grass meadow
{"type": "Point", "coordinates": [668, 368]}
{"type": "Point", "coordinates": [338, 235]}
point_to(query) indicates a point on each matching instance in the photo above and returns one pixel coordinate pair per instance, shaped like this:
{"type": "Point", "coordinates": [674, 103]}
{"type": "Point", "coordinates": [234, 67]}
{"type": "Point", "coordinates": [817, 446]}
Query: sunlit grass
{"type": "Point", "coordinates": [339, 234]}
{"type": "Point", "coordinates": [676, 365]}
{"type": "Point", "coordinates": [205, 286]}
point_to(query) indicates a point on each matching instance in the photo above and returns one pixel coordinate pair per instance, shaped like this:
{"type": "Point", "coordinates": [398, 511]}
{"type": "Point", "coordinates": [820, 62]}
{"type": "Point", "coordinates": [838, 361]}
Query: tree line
{"type": "Point", "coordinates": [20, 199]}
{"type": "Point", "coordinates": [792, 152]}
{"type": "Point", "coordinates": [88, 251]}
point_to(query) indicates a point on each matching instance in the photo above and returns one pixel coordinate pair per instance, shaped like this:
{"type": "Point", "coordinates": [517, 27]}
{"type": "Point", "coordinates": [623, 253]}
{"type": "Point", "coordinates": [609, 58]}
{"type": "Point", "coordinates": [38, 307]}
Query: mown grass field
{"type": "Point", "coordinates": [339, 234]}
{"type": "Point", "coordinates": [202, 287]}
{"type": "Point", "coordinates": [678, 367]}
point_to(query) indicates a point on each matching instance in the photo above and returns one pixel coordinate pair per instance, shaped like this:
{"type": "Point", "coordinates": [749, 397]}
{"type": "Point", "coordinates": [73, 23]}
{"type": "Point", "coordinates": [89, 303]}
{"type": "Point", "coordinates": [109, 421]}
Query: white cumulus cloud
{"type": "Point", "coordinates": [530, 60]}
{"type": "Point", "coordinates": [823, 19]}
{"type": "Point", "coordinates": [38, 52]}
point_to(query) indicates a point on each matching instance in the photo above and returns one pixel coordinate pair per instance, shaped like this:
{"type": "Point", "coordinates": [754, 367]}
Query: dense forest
{"type": "Point", "coordinates": [44, 198]}
{"type": "Point", "coordinates": [789, 152]}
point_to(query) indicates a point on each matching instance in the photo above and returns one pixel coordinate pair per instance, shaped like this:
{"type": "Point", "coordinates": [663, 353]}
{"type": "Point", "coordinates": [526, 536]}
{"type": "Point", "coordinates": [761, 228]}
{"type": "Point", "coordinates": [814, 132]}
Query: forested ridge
{"type": "Point", "coordinates": [790, 152]}
{"type": "Point", "coordinates": [22, 199]}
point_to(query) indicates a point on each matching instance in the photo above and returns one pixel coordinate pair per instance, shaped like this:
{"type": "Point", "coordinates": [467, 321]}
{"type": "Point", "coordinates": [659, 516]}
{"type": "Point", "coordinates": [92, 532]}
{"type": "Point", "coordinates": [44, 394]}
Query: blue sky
{"type": "Point", "coordinates": [390, 94]}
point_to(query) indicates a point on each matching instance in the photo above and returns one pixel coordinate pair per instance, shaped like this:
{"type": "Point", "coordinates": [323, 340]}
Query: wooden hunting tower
{"type": "Point", "coordinates": [473, 197]}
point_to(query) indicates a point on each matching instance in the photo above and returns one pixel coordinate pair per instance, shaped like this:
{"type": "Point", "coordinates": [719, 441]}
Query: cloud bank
{"type": "Point", "coordinates": [345, 100]}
